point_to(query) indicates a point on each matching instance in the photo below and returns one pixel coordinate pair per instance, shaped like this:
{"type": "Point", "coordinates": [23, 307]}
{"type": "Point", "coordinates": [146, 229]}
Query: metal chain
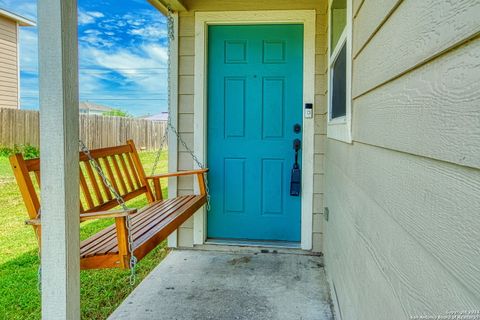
{"type": "Point", "coordinates": [39, 269]}
{"type": "Point", "coordinates": [171, 36]}
{"type": "Point", "coordinates": [197, 162]}
{"type": "Point", "coordinates": [159, 152]}
{"type": "Point", "coordinates": [170, 126]}
{"type": "Point", "coordinates": [121, 203]}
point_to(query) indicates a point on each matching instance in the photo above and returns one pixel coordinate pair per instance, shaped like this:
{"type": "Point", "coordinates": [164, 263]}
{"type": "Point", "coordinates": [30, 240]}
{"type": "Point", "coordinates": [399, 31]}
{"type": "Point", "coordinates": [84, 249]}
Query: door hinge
{"type": "Point", "coordinates": [327, 213]}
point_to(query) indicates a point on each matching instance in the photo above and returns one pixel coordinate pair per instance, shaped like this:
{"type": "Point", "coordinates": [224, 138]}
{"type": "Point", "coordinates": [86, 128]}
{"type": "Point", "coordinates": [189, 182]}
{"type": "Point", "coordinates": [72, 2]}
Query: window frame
{"type": "Point", "coordinates": [340, 128]}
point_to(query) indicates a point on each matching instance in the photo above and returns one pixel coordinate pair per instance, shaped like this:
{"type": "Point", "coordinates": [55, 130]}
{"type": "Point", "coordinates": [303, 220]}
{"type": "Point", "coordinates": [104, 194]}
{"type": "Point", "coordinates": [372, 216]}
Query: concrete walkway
{"type": "Point", "coordinates": [204, 285]}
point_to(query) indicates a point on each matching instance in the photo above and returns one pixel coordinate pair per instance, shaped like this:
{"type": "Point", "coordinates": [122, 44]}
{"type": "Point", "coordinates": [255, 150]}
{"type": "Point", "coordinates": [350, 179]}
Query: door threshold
{"type": "Point", "coordinates": [252, 247]}
{"type": "Point", "coordinates": [254, 243]}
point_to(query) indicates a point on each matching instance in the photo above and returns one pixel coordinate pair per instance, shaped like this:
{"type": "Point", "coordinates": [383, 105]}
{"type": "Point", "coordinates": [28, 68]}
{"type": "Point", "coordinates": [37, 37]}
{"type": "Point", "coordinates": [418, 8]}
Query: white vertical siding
{"type": "Point", "coordinates": [185, 116]}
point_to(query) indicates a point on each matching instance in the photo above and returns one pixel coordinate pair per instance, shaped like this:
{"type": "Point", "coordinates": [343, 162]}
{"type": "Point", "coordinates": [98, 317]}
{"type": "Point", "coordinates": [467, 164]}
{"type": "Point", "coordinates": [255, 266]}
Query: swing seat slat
{"type": "Point", "coordinates": [149, 226]}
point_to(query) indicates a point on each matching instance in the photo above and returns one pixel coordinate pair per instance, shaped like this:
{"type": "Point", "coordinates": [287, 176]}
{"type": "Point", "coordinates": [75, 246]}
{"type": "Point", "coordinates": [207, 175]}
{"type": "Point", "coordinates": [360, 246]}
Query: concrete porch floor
{"type": "Point", "coordinates": [243, 285]}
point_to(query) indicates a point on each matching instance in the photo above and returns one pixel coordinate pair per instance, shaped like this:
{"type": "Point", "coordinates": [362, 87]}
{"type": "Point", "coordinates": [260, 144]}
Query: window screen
{"type": "Point", "coordinates": [339, 75]}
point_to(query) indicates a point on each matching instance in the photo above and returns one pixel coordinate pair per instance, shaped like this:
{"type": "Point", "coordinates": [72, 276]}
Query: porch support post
{"type": "Point", "coordinates": [58, 71]}
{"type": "Point", "coordinates": [172, 138]}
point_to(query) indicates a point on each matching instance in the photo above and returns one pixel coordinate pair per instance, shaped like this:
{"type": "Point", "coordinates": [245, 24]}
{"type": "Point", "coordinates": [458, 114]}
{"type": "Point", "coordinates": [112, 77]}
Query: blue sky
{"type": "Point", "coordinates": [122, 54]}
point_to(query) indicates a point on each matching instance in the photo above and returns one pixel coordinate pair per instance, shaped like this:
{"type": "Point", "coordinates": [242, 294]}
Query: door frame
{"type": "Point", "coordinates": [305, 17]}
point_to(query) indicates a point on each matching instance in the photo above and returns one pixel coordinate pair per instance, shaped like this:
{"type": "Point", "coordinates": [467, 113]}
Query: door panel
{"type": "Point", "coordinates": [234, 193]}
{"type": "Point", "coordinates": [273, 187]}
{"type": "Point", "coordinates": [273, 107]}
{"type": "Point", "coordinates": [234, 105]}
{"type": "Point", "coordinates": [255, 89]}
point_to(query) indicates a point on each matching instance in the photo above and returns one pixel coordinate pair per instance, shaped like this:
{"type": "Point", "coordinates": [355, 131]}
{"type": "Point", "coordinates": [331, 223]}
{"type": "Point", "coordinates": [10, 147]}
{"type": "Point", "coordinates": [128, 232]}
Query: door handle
{"type": "Point", "coordinates": [296, 177]}
{"type": "Point", "coordinates": [297, 144]}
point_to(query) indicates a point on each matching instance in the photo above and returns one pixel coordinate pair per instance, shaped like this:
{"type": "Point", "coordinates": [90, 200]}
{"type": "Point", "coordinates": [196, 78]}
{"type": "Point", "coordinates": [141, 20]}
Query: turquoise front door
{"type": "Point", "coordinates": [255, 89]}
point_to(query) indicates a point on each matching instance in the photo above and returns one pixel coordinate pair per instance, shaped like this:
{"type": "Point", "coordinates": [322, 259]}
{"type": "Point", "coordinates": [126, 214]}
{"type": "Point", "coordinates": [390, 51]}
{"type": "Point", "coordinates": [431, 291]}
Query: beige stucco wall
{"type": "Point", "coordinates": [186, 94]}
{"type": "Point", "coordinates": [8, 64]}
{"type": "Point", "coordinates": [403, 236]}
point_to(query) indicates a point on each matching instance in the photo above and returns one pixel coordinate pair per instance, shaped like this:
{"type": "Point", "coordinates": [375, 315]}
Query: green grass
{"type": "Point", "coordinates": [101, 290]}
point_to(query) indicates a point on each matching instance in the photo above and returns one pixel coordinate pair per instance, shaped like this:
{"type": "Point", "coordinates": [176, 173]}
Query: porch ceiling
{"type": "Point", "coordinates": [225, 285]}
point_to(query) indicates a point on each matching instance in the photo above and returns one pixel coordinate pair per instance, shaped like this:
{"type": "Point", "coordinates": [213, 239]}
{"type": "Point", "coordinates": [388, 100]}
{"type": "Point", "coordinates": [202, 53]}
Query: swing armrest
{"type": "Point", "coordinates": [33, 222]}
{"type": "Point", "coordinates": [156, 180]}
{"type": "Point", "coordinates": [106, 214]}
{"type": "Point", "coordinates": [91, 216]}
{"type": "Point", "coordinates": [176, 174]}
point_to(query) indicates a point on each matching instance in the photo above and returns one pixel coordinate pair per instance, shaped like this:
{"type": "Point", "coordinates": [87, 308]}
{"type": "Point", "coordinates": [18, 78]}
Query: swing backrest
{"type": "Point", "coordinates": [121, 165]}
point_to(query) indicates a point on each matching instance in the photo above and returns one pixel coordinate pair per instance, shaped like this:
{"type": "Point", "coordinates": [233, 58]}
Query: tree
{"type": "Point", "coordinates": [116, 113]}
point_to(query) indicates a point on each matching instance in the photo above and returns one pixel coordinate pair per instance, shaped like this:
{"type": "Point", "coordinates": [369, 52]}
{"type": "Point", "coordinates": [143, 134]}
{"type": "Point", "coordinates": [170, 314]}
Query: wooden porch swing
{"type": "Point", "coordinates": [134, 231]}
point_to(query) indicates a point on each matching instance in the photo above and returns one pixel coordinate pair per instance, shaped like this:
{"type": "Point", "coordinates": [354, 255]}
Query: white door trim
{"type": "Point", "coordinates": [305, 17]}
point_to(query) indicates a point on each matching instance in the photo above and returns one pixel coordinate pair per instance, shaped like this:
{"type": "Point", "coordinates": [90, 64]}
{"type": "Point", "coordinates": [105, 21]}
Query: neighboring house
{"type": "Point", "coordinates": [93, 109]}
{"type": "Point", "coordinates": [392, 151]}
{"type": "Point", "coordinates": [157, 117]}
{"type": "Point", "coordinates": [10, 24]}
{"type": "Point", "coordinates": [384, 97]}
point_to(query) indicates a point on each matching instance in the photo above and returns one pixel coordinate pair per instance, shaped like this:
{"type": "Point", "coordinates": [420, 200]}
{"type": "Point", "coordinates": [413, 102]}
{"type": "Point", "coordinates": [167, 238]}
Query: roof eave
{"type": "Point", "coordinates": [163, 5]}
{"type": "Point", "coordinates": [22, 21]}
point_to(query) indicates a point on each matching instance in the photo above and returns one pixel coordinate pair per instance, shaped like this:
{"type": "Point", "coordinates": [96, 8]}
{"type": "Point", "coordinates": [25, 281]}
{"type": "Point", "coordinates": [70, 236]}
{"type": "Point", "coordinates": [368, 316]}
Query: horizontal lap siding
{"type": "Point", "coordinates": [415, 32]}
{"type": "Point", "coordinates": [320, 127]}
{"type": "Point", "coordinates": [369, 19]}
{"type": "Point", "coordinates": [186, 94]}
{"type": "Point", "coordinates": [404, 198]}
{"type": "Point", "coordinates": [433, 111]}
{"type": "Point", "coordinates": [8, 64]}
{"type": "Point", "coordinates": [185, 114]}
{"type": "Point", "coordinates": [408, 222]}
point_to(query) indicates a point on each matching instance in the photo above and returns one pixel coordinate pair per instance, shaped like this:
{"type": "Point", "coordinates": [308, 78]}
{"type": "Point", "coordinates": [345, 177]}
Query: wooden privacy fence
{"type": "Point", "coordinates": [22, 127]}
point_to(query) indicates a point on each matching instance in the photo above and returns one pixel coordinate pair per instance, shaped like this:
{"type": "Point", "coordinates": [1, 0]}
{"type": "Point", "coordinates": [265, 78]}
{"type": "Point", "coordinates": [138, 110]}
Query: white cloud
{"type": "Point", "coordinates": [126, 73]}
{"type": "Point", "coordinates": [121, 56]}
{"type": "Point", "coordinates": [88, 17]}
{"type": "Point", "coordinates": [157, 53]}
{"type": "Point", "coordinates": [151, 32]}
{"type": "Point", "coordinates": [143, 67]}
{"type": "Point", "coordinates": [91, 82]}
{"type": "Point", "coordinates": [145, 56]}
{"type": "Point", "coordinates": [97, 38]}
{"type": "Point", "coordinates": [96, 14]}
{"type": "Point", "coordinates": [29, 49]}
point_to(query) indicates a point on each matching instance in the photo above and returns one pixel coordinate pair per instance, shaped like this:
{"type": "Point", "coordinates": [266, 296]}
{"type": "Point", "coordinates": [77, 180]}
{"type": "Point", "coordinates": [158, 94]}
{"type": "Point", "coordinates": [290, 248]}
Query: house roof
{"type": "Point", "coordinates": [158, 117]}
{"type": "Point", "coordinates": [22, 21]}
{"type": "Point", "coordinates": [93, 107]}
